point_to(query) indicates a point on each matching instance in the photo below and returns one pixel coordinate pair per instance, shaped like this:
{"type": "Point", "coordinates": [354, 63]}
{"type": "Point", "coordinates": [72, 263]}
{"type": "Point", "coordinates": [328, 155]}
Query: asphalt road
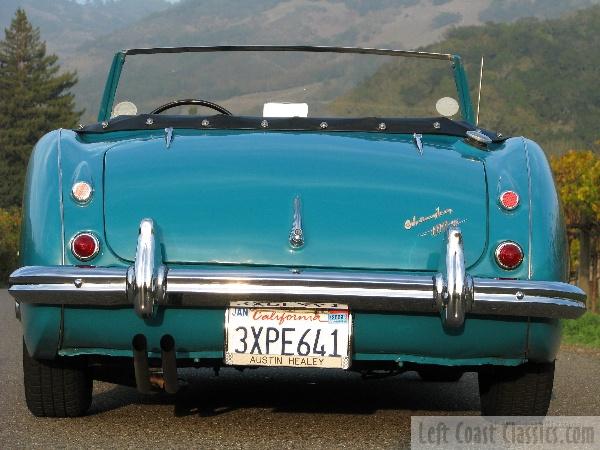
{"type": "Point", "coordinates": [264, 408]}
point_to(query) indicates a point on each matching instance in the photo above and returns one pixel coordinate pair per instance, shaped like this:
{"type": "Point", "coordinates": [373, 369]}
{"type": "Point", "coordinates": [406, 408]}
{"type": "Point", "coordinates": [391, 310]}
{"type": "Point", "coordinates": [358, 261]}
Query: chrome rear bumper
{"type": "Point", "coordinates": [149, 284]}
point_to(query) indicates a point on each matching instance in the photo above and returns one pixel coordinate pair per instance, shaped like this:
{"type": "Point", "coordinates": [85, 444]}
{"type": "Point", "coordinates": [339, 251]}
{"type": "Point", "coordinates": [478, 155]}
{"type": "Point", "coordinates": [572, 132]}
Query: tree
{"type": "Point", "coordinates": [10, 223]}
{"type": "Point", "coordinates": [577, 176]}
{"type": "Point", "coordinates": [34, 99]}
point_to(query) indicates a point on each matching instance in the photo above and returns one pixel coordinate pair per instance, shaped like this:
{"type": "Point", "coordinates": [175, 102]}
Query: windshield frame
{"type": "Point", "coordinates": [458, 71]}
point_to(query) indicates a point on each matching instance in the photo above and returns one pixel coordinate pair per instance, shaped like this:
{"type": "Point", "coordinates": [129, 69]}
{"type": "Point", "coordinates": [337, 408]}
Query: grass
{"type": "Point", "coordinates": [584, 331]}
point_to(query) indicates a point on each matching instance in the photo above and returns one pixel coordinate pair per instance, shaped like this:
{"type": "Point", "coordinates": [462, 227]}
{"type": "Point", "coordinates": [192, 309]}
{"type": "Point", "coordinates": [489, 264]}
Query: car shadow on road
{"type": "Point", "coordinates": [293, 391]}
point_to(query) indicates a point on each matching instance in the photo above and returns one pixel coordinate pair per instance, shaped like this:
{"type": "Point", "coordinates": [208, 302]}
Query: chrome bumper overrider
{"type": "Point", "coordinates": [148, 284]}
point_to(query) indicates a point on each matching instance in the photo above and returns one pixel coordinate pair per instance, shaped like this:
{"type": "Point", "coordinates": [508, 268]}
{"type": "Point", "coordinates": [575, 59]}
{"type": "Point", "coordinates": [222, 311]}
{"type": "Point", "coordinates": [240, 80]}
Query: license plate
{"type": "Point", "coordinates": [288, 334]}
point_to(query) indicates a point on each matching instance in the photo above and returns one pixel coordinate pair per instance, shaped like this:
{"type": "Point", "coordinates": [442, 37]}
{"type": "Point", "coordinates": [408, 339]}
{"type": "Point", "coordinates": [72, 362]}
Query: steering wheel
{"type": "Point", "coordinates": [191, 101]}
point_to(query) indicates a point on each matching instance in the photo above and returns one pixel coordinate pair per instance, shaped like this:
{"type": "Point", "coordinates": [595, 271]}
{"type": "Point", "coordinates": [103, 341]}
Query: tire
{"type": "Point", "coordinates": [525, 390]}
{"type": "Point", "coordinates": [440, 374]}
{"type": "Point", "coordinates": [56, 388]}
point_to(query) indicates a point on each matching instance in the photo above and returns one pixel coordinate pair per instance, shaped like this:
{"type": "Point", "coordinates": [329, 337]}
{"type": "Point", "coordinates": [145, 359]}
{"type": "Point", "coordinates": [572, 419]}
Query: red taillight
{"type": "Point", "coordinates": [509, 200]}
{"type": "Point", "coordinates": [509, 255]}
{"type": "Point", "coordinates": [85, 246]}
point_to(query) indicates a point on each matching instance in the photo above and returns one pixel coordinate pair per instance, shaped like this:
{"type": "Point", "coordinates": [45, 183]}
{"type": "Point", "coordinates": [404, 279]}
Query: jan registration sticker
{"type": "Point", "coordinates": [338, 316]}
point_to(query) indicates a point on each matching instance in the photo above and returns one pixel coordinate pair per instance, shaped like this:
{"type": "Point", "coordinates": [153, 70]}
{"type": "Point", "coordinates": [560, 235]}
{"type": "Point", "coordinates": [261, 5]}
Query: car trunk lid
{"type": "Point", "coordinates": [368, 200]}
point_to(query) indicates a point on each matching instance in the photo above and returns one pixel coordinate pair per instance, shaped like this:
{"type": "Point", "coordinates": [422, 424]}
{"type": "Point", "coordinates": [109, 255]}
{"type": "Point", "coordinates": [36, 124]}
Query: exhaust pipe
{"type": "Point", "coordinates": [169, 364]}
{"type": "Point", "coordinates": [140, 363]}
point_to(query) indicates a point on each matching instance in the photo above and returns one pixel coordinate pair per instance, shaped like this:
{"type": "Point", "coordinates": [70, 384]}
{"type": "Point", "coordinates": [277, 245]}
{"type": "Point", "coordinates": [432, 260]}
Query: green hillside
{"type": "Point", "coordinates": [381, 23]}
{"type": "Point", "coordinates": [509, 10]}
{"type": "Point", "coordinates": [540, 78]}
{"type": "Point", "coordinates": [85, 34]}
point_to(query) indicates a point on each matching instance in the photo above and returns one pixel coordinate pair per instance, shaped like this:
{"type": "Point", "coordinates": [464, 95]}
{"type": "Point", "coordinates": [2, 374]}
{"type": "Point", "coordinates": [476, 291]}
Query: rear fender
{"type": "Point", "coordinates": [506, 169]}
{"type": "Point", "coordinates": [41, 232]}
{"type": "Point", "coordinates": [42, 241]}
{"type": "Point", "coordinates": [548, 254]}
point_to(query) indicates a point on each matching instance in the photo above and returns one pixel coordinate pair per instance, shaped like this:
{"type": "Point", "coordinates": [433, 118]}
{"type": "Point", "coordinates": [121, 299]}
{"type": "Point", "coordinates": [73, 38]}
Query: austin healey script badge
{"type": "Point", "coordinates": [411, 223]}
{"type": "Point", "coordinates": [436, 228]}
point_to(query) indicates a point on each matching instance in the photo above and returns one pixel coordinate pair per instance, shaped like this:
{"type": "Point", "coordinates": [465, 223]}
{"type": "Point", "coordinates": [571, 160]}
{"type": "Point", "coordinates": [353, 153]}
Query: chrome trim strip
{"type": "Point", "coordinates": [550, 289]}
{"type": "Point", "coordinates": [106, 287]}
{"type": "Point", "coordinates": [61, 197]}
{"type": "Point", "coordinates": [178, 278]}
{"type": "Point", "coordinates": [532, 306]}
{"type": "Point", "coordinates": [94, 295]}
{"type": "Point", "coordinates": [529, 193]}
{"type": "Point", "coordinates": [294, 290]}
{"type": "Point", "coordinates": [66, 274]}
{"type": "Point", "coordinates": [347, 360]}
{"type": "Point", "coordinates": [477, 137]}
{"type": "Point", "coordinates": [288, 48]}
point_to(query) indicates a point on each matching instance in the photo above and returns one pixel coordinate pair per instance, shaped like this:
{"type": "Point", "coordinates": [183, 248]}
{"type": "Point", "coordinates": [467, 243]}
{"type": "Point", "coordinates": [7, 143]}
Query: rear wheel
{"type": "Point", "coordinates": [516, 391]}
{"type": "Point", "coordinates": [440, 373]}
{"type": "Point", "coordinates": [56, 388]}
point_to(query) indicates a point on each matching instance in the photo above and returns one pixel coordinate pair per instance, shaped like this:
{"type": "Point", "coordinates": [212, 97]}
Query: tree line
{"type": "Point", "coordinates": [34, 98]}
{"type": "Point", "coordinates": [577, 177]}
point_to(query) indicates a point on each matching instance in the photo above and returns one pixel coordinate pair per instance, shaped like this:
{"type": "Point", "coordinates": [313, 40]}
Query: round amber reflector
{"type": "Point", "coordinates": [81, 191]}
{"type": "Point", "coordinates": [509, 199]}
{"type": "Point", "coordinates": [509, 255]}
{"type": "Point", "coordinates": [85, 246]}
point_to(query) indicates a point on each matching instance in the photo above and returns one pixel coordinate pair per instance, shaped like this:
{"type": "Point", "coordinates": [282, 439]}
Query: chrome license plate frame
{"type": "Point", "coordinates": [321, 335]}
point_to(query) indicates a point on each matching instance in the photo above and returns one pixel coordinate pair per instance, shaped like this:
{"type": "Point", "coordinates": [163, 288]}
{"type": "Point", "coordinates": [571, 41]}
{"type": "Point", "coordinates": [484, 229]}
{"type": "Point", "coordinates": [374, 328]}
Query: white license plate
{"type": "Point", "coordinates": [288, 334]}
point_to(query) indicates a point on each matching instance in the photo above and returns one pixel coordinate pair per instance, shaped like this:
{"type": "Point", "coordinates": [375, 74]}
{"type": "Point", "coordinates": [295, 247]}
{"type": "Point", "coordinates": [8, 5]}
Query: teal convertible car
{"type": "Point", "coordinates": [289, 206]}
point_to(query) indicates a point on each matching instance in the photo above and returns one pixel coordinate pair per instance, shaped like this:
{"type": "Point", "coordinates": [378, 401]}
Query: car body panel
{"type": "Point", "coordinates": [42, 327]}
{"type": "Point", "coordinates": [543, 340]}
{"type": "Point", "coordinates": [227, 197]}
{"type": "Point", "coordinates": [41, 231]}
{"type": "Point", "coordinates": [548, 246]}
{"type": "Point", "coordinates": [506, 169]}
{"type": "Point", "coordinates": [385, 337]}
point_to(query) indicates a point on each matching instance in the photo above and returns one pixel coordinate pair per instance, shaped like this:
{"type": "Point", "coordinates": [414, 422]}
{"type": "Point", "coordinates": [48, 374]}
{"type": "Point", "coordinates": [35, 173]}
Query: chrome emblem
{"type": "Point", "coordinates": [439, 228]}
{"type": "Point", "coordinates": [415, 221]}
{"type": "Point", "coordinates": [168, 136]}
{"type": "Point", "coordinates": [418, 142]}
{"type": "Point", "coordinates": [297, 235]}
{"type": "Point", "coordinates": [434, 229]}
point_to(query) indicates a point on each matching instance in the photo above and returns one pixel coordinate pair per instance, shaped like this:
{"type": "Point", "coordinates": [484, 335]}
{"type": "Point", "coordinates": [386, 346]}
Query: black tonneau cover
{"type": "Point", "coordinates": [433, 125]}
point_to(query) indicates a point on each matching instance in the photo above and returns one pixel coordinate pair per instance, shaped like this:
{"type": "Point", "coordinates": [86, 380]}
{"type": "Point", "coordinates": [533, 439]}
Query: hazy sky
{"type": "Point", "coordinates": [85, 1]}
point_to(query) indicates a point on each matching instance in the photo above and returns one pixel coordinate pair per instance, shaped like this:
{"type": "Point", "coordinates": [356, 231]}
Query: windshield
{"type": "Point", "coordinates": [289, 83]}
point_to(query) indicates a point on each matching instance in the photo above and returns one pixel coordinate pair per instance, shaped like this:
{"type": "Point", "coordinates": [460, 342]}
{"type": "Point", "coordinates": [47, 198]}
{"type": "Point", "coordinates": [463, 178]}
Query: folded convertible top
{"type": "Point", "coordinates": [433, 125]}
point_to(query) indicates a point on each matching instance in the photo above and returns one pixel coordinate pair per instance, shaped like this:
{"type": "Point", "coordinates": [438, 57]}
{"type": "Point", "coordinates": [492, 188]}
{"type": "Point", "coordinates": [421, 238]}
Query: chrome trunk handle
{"type": "Point", "coordinates": [297, 233]}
